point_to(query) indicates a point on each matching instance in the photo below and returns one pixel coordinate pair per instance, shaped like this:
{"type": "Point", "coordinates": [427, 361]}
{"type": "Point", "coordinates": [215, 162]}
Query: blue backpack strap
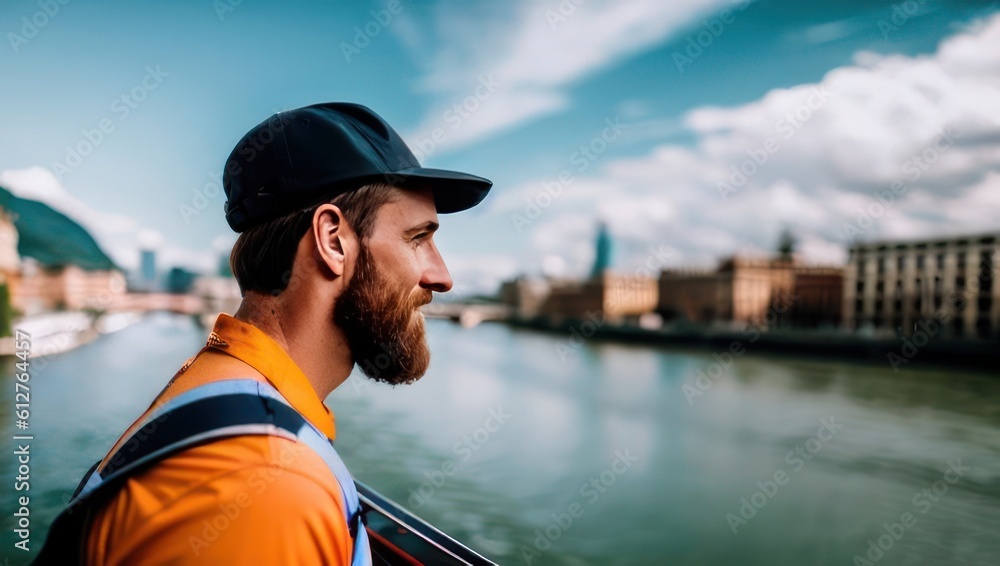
{"type": "Point", "coordinates": [209, 412]}
{"type": "Point", "coordinates": [316, 440]}
{"type": "Point", "coordinates": [137, 444]}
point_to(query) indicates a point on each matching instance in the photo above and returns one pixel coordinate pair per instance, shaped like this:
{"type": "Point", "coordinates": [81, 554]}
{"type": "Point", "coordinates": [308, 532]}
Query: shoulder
{"type": "Point", "coordinates": [271, 470]}
{"type": "Point", "coordinates": [271, 515]}
{"type": "Point", "coordinates": [265, 498]}
{"type": "Point", "coordinates": [303, 485]}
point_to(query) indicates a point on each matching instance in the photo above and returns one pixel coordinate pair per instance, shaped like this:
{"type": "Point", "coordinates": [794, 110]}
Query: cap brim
{"type": "Point", "coordinates": [453, 191]}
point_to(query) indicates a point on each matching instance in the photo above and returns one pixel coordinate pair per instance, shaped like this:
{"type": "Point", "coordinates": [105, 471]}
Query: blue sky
{"type": "Point", "coordinates": [646, 110]}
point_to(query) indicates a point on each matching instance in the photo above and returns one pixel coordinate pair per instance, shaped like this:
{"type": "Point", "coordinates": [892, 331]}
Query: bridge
{"type": "Point", "coordinates": [466, 314]}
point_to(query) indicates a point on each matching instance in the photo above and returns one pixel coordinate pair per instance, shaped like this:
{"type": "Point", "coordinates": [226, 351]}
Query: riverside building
{"type": "Point", "coordinates": [777, 292]}
{"type": "Point", "coordinates": [892, 286]}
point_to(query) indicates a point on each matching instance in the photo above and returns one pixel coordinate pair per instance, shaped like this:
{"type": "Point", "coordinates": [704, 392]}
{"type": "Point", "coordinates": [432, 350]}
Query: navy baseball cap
{"type": "Point", "coordinates": [301, 157]}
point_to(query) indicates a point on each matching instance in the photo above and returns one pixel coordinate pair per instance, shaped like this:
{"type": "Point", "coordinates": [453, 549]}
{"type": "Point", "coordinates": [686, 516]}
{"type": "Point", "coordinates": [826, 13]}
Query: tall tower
{"type": "Point", "coordinates": [148, 270]}
{"type": "Point", "coordinates": [602, 255]}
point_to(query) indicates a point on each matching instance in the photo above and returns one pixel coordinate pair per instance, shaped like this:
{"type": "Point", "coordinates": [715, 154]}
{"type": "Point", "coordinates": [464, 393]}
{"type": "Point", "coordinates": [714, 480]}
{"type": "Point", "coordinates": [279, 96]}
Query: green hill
{"type": "Point", "coordinates": [51, 238]}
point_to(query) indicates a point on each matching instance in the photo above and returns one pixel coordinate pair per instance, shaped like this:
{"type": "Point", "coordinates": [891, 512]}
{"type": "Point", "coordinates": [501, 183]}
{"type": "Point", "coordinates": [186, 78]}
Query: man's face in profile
{"type": "Point", "coordinates": [397, 269]}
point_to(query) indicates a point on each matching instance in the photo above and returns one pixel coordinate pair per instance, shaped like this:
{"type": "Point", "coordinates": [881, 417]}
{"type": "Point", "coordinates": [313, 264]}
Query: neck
{"type": "Point", "coordinates": [307, 335]}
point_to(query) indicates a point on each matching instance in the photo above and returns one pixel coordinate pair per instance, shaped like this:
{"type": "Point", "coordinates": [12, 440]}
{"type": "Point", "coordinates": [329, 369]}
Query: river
{"type": "Point", "coordinates": [536, 450]}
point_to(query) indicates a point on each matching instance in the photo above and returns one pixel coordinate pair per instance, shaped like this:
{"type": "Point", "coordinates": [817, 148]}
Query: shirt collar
{"type": "Point", "coordinates": [252, 346]}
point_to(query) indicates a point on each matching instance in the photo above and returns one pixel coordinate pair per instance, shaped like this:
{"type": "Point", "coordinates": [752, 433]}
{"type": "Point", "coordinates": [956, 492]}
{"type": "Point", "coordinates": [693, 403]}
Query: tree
{"type": "Point", "coordinates": [6, 312]}
{"type": "Point", "coordinates": [786, 245]}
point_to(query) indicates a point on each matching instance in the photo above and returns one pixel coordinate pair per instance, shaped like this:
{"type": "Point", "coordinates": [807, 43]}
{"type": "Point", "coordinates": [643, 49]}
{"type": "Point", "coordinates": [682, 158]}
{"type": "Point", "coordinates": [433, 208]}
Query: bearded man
{"type": "Point", "coordinates": [233, 462]}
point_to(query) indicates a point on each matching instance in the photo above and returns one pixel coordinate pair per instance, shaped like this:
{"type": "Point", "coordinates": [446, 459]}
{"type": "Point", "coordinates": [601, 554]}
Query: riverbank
{"type": "Point", "coordinates": [58, 332]}
{"type": "Point", "coordinates": [923, 349]}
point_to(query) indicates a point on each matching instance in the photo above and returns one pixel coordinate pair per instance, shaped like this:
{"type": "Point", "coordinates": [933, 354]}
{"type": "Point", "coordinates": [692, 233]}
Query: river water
{"type": "Point", "coordinates": [534, 450]}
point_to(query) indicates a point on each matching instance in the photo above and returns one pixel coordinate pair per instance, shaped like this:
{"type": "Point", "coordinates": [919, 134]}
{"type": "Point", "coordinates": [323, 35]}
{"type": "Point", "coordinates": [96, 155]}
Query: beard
{"type": "Point", "coordinates": [384, 328]}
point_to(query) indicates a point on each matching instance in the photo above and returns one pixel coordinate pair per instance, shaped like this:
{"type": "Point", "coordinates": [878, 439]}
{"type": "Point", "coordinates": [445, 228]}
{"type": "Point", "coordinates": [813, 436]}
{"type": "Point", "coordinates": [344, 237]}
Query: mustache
{"type": "Point", "coordinates": [423, 299]}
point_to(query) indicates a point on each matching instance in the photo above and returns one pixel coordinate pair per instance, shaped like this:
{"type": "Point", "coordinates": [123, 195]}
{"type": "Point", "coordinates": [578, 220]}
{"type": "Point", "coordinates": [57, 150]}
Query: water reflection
{"type": "Point", "coordinates": [523, 427]}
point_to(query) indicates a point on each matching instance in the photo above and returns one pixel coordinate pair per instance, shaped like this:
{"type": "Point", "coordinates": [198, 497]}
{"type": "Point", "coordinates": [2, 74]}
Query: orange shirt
{"type": "Point", "coordinates": [241, 500]}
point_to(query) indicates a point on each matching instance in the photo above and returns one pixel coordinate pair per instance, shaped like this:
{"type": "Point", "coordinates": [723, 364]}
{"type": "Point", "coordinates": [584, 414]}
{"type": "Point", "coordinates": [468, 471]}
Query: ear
{"type": "Point", "coordinates": [331, 233]}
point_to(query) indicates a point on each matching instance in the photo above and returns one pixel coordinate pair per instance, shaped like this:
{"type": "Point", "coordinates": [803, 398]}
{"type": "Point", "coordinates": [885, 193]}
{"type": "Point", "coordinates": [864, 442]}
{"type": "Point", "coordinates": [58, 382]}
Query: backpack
{"type": "Point", "coordinates": [216, 410]}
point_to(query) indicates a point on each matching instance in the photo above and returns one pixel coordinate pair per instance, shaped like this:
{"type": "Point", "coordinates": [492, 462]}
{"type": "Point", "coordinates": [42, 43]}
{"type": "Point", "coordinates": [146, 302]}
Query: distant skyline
{"type": "Point", "coordinates": [694, 129]}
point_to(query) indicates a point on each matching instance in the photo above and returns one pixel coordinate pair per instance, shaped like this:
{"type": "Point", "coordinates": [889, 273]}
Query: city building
{"type": "Point", "coordinates": [611, 296]}
{"type": "Point", "coordinates": [524, 295]}
{"type": "Point", "coordinates": [57, 284]}
{"type": "Point", "coordinates": [179, 280]}
{"type": "Point", "coordinates": [147, 271]}
{"type": "Point", "coordinates": [40, 289]}
{"type": "Point", "coordinates": [817, 297]}
{"type": "Point", "coordinates": [769, 292]}
{"type": "Point", "coordinates": [893, 287]}
{"type": "Point", "coordinates": [602, 251]}
{"type": "Point", "coordinates": [614, 297]}
{"type": "Point", "coordinates": [10, 259]}
{"type": "Point", "coordinates": [219, 293]}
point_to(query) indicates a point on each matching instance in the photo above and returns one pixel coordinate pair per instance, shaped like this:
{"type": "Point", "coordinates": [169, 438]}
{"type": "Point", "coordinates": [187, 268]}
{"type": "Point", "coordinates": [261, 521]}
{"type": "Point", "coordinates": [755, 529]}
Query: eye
{"type": "Point", "coordinates": [420, 237]}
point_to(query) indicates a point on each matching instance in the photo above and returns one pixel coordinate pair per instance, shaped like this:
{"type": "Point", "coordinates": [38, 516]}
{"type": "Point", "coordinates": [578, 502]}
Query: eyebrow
{"type": "Point", "coordinates": [429, 226]}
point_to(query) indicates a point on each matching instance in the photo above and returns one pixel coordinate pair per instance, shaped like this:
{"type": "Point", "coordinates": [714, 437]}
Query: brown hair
{"type": "Point", "coordinates": [262, 257]}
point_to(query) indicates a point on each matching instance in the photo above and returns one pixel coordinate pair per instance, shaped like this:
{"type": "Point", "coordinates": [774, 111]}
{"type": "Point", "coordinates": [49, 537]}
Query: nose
{"type": "Point", "coordinates": [435, 276]}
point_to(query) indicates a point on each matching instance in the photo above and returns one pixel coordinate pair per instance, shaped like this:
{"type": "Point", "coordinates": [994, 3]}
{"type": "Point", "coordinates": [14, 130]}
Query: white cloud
{"type": "Point", "coordinates": [880, 115]}
{"type": "Point", "coordinates": [534, 56]}
{"type": "Point", "coordinates": [149, 239]}
{"type": "Point", "coordinates": [830, 31]}
{"type": "Point", "coordinates": [40, 184]}
{"type": "Point", "coordinates": [119, 236]}
{"type": "Point", "coordinates": [468, 118]}
{"type": "Point", "coordinates": [479, 274]}
{"type": "Point", "coordinates": [223, 243]}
